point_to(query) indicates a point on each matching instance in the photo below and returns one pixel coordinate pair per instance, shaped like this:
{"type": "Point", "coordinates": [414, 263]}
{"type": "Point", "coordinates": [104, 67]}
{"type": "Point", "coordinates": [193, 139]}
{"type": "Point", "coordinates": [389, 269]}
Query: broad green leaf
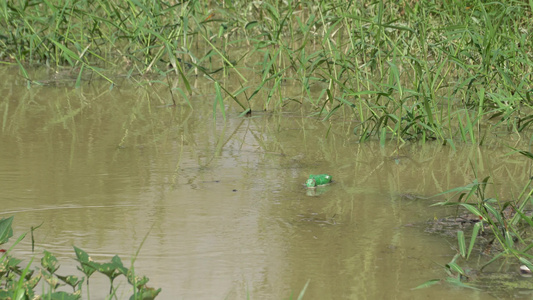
{"type": "Point", "coordinates": [33, 280]}
{"type": "Point", "coordinates": [5, 230]}
{"type": "Point", "coordinates": [88, 267]}
{"type": "Point", "coordinates": [82, 256]}
{"type": "Point", "coordinates": [63, 296]}
{"type": "Point", "coordinates": [108, 269]}
{"type": "Point", "coordinates": [119, 265]}
{"type": "Point", "coordinates": [12, 262]}
{"type": "Point", "coordinates": [71, 280]}
{"type": "Point", "coordinates": [50, 279]}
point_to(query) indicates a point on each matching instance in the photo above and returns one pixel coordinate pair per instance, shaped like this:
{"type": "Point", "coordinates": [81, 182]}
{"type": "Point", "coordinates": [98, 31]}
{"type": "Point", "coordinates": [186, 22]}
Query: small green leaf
{"type": "Point", "coordinates": [136, 281]}
{"type": "Point", "coordinates": [251, 25]}
{"type": "Point", "coordinates": [146, 294]}
{"type": "Point", "coordinates": [247, 111]}
{"type": "Point", "coordinates": [49, 262]}
{"type": "Point", "coordinates": [455, 267]}
{"type": "Point", "coordinates": [71, 280]}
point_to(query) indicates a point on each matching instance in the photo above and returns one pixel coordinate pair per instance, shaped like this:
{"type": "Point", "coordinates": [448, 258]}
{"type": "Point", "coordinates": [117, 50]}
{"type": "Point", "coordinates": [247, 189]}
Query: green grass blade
{"type": "Point", "coordinates": [224, 58]}
{"type": "Point", "coordinates": [220, 101]}
{"type": "Point", "coordinates": [301, 296]}
{"type": "Point", "coordinates": [462, 243]}
{"type": "Point", "coordinates": [494, 212]}
{"type": "Point", "coordinates": [526, 262]}
{"type": "Point", "coordinates": [457, 282]}
{"type": "Point", "coordinates": [495, 258]}
{"type": "Point", "coordinates": [475, 232]}
{"type": "Point", "coordinates": [509, 239]}
{"type": "Point", "coordinates": [427, 284]}
{"type": "Point", "coordinates": [471, 208]}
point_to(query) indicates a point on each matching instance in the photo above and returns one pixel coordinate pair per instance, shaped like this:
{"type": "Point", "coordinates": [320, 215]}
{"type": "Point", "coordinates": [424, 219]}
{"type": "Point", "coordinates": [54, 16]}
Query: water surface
{"type": "Point", "coordinates": [219, 206]}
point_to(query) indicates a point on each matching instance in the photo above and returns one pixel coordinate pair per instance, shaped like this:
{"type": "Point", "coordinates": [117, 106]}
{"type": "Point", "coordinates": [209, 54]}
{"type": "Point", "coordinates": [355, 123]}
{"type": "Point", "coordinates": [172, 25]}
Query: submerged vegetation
{"type": "Point", "coordinates": [19, 281]}
{"type": "Point", "coordinates": [429, 70]}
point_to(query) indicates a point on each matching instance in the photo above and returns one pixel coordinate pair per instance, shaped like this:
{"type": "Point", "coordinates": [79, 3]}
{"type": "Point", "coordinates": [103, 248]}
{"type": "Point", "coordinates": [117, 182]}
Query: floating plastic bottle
{"type": "Point", "coordinates": [316, 180]}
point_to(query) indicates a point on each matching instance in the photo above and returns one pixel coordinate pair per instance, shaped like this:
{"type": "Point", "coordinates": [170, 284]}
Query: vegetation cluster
{"type": "Point", "coordinates": [500, 235]}
{"type": "Point", "coordinates": [21, 282]}
{"type": "Point", "coordinates": [425, 70]}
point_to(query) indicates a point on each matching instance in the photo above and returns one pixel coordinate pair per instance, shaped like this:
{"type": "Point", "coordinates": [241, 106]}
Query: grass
{"type": "Point", "coordinates": [448, 71]}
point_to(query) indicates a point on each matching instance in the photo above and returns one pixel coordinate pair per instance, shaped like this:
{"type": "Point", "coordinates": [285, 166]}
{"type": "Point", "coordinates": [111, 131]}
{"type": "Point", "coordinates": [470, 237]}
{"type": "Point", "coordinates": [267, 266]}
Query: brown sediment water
{"type": "Point", "coordinates": [222, 203]}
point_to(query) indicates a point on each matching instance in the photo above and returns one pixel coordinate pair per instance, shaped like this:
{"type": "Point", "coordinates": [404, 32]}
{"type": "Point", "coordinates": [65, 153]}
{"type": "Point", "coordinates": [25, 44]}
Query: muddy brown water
{"type": "Point", "coordinates": [222, 202]}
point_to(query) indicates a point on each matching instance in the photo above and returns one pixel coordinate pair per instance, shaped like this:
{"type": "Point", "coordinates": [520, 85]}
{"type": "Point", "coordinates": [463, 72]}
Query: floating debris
{"type": "Point", "coordinates": [318, 180]}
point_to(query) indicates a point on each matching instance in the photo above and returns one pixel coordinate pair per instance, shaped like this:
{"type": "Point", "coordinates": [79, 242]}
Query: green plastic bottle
{"type": "Point", "coordinates": [315, 180]}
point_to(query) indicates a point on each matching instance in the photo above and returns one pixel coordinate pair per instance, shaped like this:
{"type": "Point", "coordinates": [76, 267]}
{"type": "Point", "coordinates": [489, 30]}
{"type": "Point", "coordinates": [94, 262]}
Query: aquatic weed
{"type": "Point", "coordinates": [19, 282]}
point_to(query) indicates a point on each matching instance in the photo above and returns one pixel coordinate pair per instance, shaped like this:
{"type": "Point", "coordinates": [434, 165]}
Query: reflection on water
{"type": "Point", "coordinates": [222, 204]}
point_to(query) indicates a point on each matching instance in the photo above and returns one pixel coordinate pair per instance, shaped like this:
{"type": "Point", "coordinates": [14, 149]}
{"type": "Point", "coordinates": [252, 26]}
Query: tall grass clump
{"type": "Point", "coordinates": [408, 70]}
{"type": "Point", "coordinates": [430, 70]}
